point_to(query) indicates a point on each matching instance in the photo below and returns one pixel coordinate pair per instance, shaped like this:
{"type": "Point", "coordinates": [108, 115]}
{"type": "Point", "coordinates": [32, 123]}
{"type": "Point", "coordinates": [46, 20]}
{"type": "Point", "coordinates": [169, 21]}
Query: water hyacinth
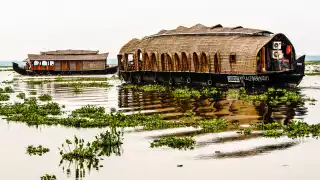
{"type": "Point", "coordinates": [174, 142]}
{"type": "Point", "coordinates": [40, 150]}
{"type": "Point", "coordinates": [185, 93]}
{"type": "Point", "coordinates": [21, 95]}
{"type": "Point", "coordinates": [48, 177]}
{"type": "Point", "coordinates": [4, 97]}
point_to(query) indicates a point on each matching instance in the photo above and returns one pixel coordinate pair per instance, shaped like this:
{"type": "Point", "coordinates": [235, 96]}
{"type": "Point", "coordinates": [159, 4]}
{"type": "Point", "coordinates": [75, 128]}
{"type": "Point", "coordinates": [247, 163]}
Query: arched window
{"type": "Point", "coordinates": [204, 63]}
{"type": "Point", "coordinates": [146, 62]}
{"type": "Point", "coordinates": [153, 62]}
{"type": "Point", "coordinates": [196, 62]}
{"type": "Point", "coordinates": [170, 62]}
{"type": "Point", "coordinates": [163, 63]}
{"type": "Point", "coordinates": [185, 65]}
{"type": "Point", "coordinates": [177, 62]}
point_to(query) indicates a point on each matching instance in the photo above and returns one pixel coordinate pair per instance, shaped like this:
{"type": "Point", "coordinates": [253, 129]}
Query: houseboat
{"type": "Point", "coordinates": [215, 56]}
{"type": "Point", "coordinates": [66, 62]}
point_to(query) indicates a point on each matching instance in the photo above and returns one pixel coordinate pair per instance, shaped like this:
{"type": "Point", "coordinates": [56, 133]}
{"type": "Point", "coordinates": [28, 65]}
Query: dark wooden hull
{"type": "Point", "coordinates": [16, 68]}
{"type": "Point", "coordinates": [289, 78]}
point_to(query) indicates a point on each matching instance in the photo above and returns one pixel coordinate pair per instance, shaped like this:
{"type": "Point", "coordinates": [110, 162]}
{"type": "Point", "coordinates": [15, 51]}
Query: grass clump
{"type": "Point", "coordinates": [174, 142]}
{"type": "Point", "coordinates": [45, 97]}
{"type": "Point", "coordinates": [40, 150]}
{"type": "Point", "coordinates": [21, 95]}
{"type": "Point", "coordinates": [48, 177]}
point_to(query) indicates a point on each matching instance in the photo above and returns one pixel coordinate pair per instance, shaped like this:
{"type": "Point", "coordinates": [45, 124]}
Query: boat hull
{"type": "Point", "coordinates": [16, 68]}
{"type": "Point", "coordinates": [286, 79]}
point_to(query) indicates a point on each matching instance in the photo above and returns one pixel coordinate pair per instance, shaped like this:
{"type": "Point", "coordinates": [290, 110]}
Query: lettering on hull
{"type": "Point", "coordinates": [239, 79]}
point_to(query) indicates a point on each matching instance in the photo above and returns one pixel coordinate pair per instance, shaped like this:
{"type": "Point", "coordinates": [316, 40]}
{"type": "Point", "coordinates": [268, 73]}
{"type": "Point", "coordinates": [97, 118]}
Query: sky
{"type": "Point", "coordinates": [31, 26]}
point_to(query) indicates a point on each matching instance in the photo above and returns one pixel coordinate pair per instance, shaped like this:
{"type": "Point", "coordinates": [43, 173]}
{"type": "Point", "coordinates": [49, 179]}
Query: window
{"type": "Point", "coordinates": [233, 57]}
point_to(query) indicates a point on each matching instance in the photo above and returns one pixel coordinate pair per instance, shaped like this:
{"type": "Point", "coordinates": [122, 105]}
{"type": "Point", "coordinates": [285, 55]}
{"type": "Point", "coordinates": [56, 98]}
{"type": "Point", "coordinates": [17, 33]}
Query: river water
{"type": "Point", "coordinates": [289, 159]}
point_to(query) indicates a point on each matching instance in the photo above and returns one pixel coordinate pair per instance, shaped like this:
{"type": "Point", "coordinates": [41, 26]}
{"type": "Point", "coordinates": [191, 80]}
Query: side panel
{"type": "Point", "coordinates": [64, 66]}
{"type": "Point", "coordinates": [79, 65]}
{"type": "Point", "coordinates": [73, 65]}
{"type": "Point", "coordinates": [94, 65]}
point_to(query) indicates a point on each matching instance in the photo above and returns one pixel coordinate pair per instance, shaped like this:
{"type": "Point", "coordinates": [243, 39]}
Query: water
{"type": "Point", "coordinates": [297, 159]}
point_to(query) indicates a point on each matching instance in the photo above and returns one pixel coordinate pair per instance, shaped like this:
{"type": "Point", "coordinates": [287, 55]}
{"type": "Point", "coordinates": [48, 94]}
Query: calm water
{"type": "Point", "coordinates": [295, 159]}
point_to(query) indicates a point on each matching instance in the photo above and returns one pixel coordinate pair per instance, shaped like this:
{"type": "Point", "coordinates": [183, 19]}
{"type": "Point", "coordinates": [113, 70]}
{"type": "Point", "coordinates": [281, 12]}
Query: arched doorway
{"type": "Point", "coordinates": [177, 62]}
{"type": "Point", "coordinates": [196, 62]}
{"type": "Point", "coordinates": [146, 62]}
{"type": "Point", "coordinates": [153, 62]}
{"type": "Point", "coordinates": [170, 62]}
{"type": "Point", "coordinates": [204, 63]}
{"type": "Point", "coordinates": [185, 66]}
{"type": "Point", "coordinates": [163, 64]}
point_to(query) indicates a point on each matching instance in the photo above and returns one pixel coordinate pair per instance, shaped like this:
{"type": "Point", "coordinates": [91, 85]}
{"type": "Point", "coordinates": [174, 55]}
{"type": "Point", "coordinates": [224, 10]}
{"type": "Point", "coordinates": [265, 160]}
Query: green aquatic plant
{"type": "Point", "coordinates": [212, 125]}
{"type": "Point", "coordinates": [48, 177]}
{"type": "Point", "coordinates": [185, 93]}
{"type": "Point", "coordinates": [45, 97]}
{"type": "Point", "coordinates": [153, 87]}
{"type": "Point", "coordinates": [208, 92]}
{"type": "Point", "coordinates": [89, 84]}
{"type": "Point", "coordinates": [40, 150]}
{"type": "Point", "coordinates": [21, 95]}
{"type": "Point", "coordinates": [7, 82]}
{"type": "Point", "coordinates": [273, 133]}
{"type": "Point", "coordinates": [33, 93]}
{"type": "Point", "coordinates": [4, 97]}
{"type": "Point", "coordinates": [88, 110]}
{"type": "Point", "coordinates": [174, 142]}
{"type": "Point", "coordinates": [7, 89]}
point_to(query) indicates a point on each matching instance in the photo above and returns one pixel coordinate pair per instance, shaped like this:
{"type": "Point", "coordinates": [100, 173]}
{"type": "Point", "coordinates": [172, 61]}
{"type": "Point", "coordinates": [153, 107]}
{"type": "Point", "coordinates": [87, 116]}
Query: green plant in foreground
{"type": "Point", "coordinates": [40, 150]}
{"type": "Point", "coordinates": [45, 97]}
{"type": "Point", "coordinates": [185, 93]}
{"type": "Point", "coordinates": [21, 95]}
{"type": "Point", "coordinates": [174, 142]}
{"type": "Point", "coordinates": [48, 177]}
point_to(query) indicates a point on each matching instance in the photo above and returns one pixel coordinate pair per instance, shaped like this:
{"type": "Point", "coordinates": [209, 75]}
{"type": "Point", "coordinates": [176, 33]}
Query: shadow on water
{"type": "Point", "coordinates": [251, 152]}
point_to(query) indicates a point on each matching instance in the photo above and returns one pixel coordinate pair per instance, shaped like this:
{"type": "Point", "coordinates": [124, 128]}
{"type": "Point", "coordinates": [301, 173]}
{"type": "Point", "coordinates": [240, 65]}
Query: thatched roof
{"type": "Point", "coordinates": [89, 57]}
{"type": "Point", "coordinates": [200, 38]}
{"type": "Point", "coordinates": [70, 52]}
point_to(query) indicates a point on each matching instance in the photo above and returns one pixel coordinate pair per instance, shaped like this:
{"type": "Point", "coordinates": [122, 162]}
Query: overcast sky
{"type": "Point", "coordinates": [30, 26]}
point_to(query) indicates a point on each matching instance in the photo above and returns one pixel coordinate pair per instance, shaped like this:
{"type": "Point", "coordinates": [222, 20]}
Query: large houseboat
{"type": "Point", "coordinates": [66, 62]}
{"type": "Point", "coordinates": [215, 56]}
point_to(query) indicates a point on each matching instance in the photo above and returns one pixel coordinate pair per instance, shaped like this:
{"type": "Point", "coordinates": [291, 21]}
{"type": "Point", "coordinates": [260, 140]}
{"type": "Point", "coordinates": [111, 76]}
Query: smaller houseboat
{"type": "Point", "coordinates": [66, 62]}
{"type": "Point", "coordinates": [215, 56]}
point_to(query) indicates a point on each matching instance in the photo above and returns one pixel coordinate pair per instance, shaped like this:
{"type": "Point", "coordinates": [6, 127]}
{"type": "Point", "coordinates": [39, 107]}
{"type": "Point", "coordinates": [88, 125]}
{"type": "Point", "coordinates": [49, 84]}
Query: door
{"type": "Point", "coordinates": [64, 66]}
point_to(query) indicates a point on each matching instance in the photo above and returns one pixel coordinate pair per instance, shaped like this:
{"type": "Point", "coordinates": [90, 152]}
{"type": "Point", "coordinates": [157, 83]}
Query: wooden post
{"type": "Point", "coordinates": [263, 59]}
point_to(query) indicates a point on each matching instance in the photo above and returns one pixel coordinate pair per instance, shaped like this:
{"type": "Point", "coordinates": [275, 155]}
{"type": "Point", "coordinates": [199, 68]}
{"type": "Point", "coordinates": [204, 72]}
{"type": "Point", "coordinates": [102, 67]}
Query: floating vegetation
{"type": "Point", "coordinates": [88, 110]}
{"type": "Point", "coordinates": [21, 95]}
{"type": "Point", "coordinates": [213, 125]}
{"type": "Point", "coordinates": [40, 150]}
{"type": "Point", "coordinates": [7, 82]}
{"type": "Point", "coordinates": [174, 142]}
{"type": "Point", "coordinates": [33, 93]}
{"type": "Point", "coordinates": [90, 84]}
{"type": "Point", "coordinates": [185, 93]}
{"type": "Point", "coordinates": [7, 89]}
{"type": "Point", "coordinates": [4, 97]}
{"type": "Point", "coordinates": [48, 177]}
{"type": "Point", "coordinates": [153, 87]}
{"type": "Point", "coordinates": [45, 97]}
{"type": "Point", "coordinates": [61, 79]}
{"type": "Point", "coordinates": [130, 86]}
{"type": "Point", "coordinates": [80, 153]}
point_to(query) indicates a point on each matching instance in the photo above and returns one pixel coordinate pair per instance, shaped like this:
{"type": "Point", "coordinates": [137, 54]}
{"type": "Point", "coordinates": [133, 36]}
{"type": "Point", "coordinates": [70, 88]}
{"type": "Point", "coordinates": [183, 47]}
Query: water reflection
{"type": "Point", "coordinates": [223, 105]}
{"type": "Point", "coordinates": [251, 152]}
